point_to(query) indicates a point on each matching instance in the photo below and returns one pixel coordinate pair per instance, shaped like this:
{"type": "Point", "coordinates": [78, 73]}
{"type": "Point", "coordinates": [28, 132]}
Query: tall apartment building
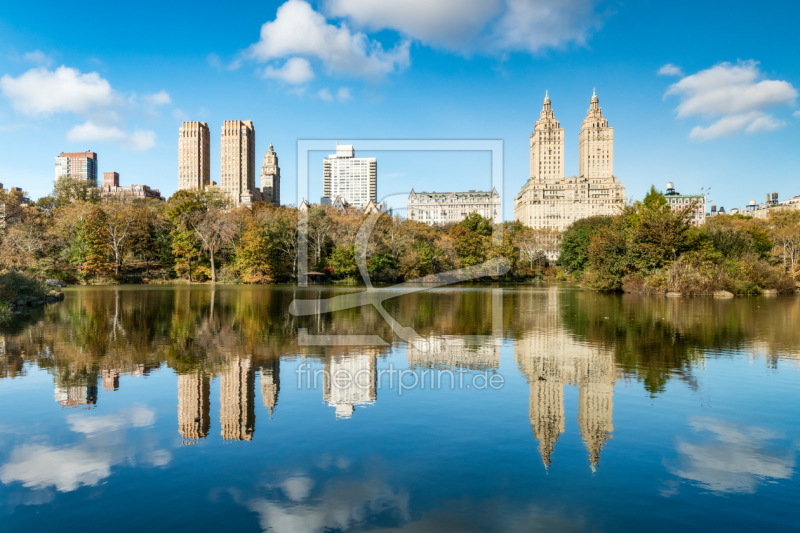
{"type": "Point", "coordinates": [77, 165]}
{"type": "Point", "coordinates": [353, 179]}
{"type": "Point", "coordinates": [194, 413]}
{"type": "Point", "coordinates": [596, 143]}
{"type": "Point", "coordinates": [237, 415]}
{"type": "Point", "coordinates": [238, 162]}
{"type": "Point", "coordinates": [549, 199]}
{"type": "Point", "coordinates": [547, 144]}
{"type": "Point", "coordinates": [271, 178]}
{"type": "Point", "coordinates": [453, 207]}
{"type": "Point", "coordinates": [194, 156]}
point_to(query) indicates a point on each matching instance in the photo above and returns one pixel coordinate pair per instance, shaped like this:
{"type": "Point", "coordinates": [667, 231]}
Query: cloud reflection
{"type": "Point", "coordinates": [87, 463]}
{"type": "Point", "coordinates": [736, 459]}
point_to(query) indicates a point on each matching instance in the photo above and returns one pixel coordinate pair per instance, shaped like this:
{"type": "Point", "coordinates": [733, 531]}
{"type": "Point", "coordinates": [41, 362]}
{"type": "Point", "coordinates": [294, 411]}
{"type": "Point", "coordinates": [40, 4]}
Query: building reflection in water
{"type": "Point", "coordinates": [550, 358]}
{"type": "Point", "coordinates": [271, 383]}
{"type": "Point", "coordinates": [194, 412]}
{"type": "Point", "coordinates": [449, 352]}
{"type": "Point", "coordinates": [75, 389]}
{"type": "Point", "coordinates": [350, 380]}
{"type": "Point", "coordinates": [237, 414]}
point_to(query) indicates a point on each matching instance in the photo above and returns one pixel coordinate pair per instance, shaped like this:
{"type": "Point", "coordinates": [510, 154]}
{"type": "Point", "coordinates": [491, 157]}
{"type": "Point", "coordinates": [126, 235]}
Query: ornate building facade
{"type": "Point", "coordinates": [549, 199]}
{"type": "Point", "coordinates": [194, 156]}
{"type": "Point", "coordinates": [452, 207]}
{"type": "Point", "coordinates": [271, 178]}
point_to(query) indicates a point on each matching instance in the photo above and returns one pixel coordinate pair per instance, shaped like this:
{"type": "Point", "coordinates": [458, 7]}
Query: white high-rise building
{"type": "Point", "coordinates": [353, 179]}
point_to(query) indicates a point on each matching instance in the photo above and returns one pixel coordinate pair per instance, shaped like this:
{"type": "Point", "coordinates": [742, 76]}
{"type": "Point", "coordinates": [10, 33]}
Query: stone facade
{"type": "Point", "coordinates": [453, 207]}
{"type": "Point", "coordinates": [551, 200]}
{"type": "Point", "coordinates": [271, 178]}
{"type": "Point", "coordinates": [111, 188]}
{"type": "Point", "coordinates": [238, 162]}
{"type": "Point", "coordinates": [194, 156]}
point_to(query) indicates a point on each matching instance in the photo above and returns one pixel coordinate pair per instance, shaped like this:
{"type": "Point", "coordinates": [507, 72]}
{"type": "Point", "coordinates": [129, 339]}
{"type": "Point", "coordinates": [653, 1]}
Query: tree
{"type": "Point", "coordinates": [119, 221]}
{"type": "Point", "coordinates": [574, 245]}
{"type": "Point", "coordinates": [535, 245]}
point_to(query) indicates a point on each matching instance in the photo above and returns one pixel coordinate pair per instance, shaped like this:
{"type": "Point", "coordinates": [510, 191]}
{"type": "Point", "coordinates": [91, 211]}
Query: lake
{"type": "Point", "coordinates": [488, 408]}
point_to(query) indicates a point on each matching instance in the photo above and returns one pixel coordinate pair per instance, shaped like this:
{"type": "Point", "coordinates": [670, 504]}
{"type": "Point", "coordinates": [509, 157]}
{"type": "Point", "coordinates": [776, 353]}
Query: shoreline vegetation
{"type": "Point", "coordinates": [77, 237]}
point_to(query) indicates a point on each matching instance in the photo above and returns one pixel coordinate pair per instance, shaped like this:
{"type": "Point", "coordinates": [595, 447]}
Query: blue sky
{"type": "Point", "coordinates": [119, 81]}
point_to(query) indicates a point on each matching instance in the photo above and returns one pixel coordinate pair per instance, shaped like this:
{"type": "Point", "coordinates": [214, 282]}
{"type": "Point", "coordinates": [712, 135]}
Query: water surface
{"type": "Point", "coordinates": [526, 408]}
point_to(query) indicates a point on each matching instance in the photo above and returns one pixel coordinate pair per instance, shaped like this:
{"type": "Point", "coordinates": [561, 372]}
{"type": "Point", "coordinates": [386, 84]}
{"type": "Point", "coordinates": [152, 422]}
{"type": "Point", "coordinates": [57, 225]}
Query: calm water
{"type": "Point", "coordinates": [525, 409]}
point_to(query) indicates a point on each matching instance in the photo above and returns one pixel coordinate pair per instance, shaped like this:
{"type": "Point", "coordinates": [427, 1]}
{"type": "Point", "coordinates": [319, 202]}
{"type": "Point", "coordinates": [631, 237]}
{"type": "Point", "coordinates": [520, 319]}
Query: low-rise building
{"type": "Point", "coordinates": [679, 202]}
{"type": "Point", "coordinates": [112, 189]}
{"type": "Point", "coordinates": [453, 207]}
{"type": "Point", "coordinates": [767, 209]}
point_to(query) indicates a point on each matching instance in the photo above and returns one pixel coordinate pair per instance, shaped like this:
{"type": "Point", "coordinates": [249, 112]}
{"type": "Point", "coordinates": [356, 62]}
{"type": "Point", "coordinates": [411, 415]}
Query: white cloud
{"type": "Point", "coordinates": [38, 467]}
{"type": "Point", "coordinates": [344, 94]}
{"type": "Point", "coordinates": [448, 23]}
{"type": "Point", "coordinates": [736, 95]}
{"type": "Point", "coordinates": [296, 70]}
{"type": "Point", "coordinates": [325, 94]}
{"type": "Point", "coordinates": [477, 25]}
{"type": "Point", "coordinates": [796, 113]}
{"type": "Point", "coordinates": [297, 488]}
{"type": "Point", "coordinates": [137, 417]}
{"type": "Point", "coordinates": [670, 70]}
{"type": "Point", "coordinates": [298, 30]}
{"type": "Point", "coordinates": [159, 98]}
{"type": "Point", "coordinates": [40, 92]}
{"type": "Point", "coordinates": [341, 506]}
{"type": "Point", "coordinates": [87, 463]}
{"type": "Point", "coordinates": [89, 131]}
{"type": "Point", "coordinates": [531, 25]}
{"type": "Point", "coordinates": [37, 57]}
{"type": "Point", "coordinates": [736, 459]}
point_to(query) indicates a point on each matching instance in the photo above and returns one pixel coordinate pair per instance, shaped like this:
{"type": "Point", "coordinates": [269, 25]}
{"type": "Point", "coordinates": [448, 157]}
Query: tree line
{"type": "Point", "coordinates": [77, 236]}
{"type": "Point", "coordinates": [647, 247]}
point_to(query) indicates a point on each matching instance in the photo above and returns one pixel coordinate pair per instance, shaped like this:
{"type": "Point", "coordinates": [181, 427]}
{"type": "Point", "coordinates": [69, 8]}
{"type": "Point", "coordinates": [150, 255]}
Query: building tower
{"type": "Point", "coordinates": [194, 414]}
{"type": "Point", "coordinates": [238, 165]}
{"type": "Point", "coordinates": [547, 144]}
{"type": "Point", "coordinates": [77, 165]}
{"type": "Point", "coordinates": [194, 159]}
{"type": "Point", "coordinates": [237, 395]}
{"type": "Point", "coordinates": [271, 383]}
{"type": "Point", "coordinates": [353, 179]}
{"type": "Point", "coordinates": [271, 178]}
{"type": "Point", "coordinates": [596, 152]}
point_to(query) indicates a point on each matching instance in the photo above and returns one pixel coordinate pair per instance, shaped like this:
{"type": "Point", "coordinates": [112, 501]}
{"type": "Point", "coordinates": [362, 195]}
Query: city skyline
{"type": "Point", "coordinates": [709, 110]}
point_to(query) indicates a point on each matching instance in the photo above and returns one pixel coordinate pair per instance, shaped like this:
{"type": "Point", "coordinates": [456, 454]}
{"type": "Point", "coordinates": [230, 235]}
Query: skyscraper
{"type": "Point", "coordinates": [77, 165]}
{"type": "Point", "coordinates": [194, 415]}
{"type": "Point", "coordinates": [238, 162]}
{"type": "Point", "coordinates": [547, 144]}
{"type": "Point", "coordinates": [349, 380]}
{"type": "Point", "coordinates": [596, 143]}
{"type": "Point", "coordinates": [271, 178]}
{"type": "Point", "coordinates": [237, 395]}
{"type": "Point", "coordinates": [194, 158]}
{"type": "Point", "coordinates": [271, 383]}
{"type": "Point", "coordinates": [353, 179]}
{"type": "Point", "coordinates": [551, 200]}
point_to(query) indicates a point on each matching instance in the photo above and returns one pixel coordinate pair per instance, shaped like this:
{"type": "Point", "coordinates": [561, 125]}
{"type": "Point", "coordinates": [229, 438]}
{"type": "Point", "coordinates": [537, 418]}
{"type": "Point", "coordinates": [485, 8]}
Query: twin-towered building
{"type": "Point", "coordinates": [237, 163]}
{"type": "Point", "coordinates": [549, 199]}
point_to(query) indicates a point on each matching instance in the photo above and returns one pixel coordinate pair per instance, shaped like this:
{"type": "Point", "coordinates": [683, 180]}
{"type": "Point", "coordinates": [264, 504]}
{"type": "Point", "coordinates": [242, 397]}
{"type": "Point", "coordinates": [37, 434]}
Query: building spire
{"type": "Point", "coordinates": [546, 96]}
